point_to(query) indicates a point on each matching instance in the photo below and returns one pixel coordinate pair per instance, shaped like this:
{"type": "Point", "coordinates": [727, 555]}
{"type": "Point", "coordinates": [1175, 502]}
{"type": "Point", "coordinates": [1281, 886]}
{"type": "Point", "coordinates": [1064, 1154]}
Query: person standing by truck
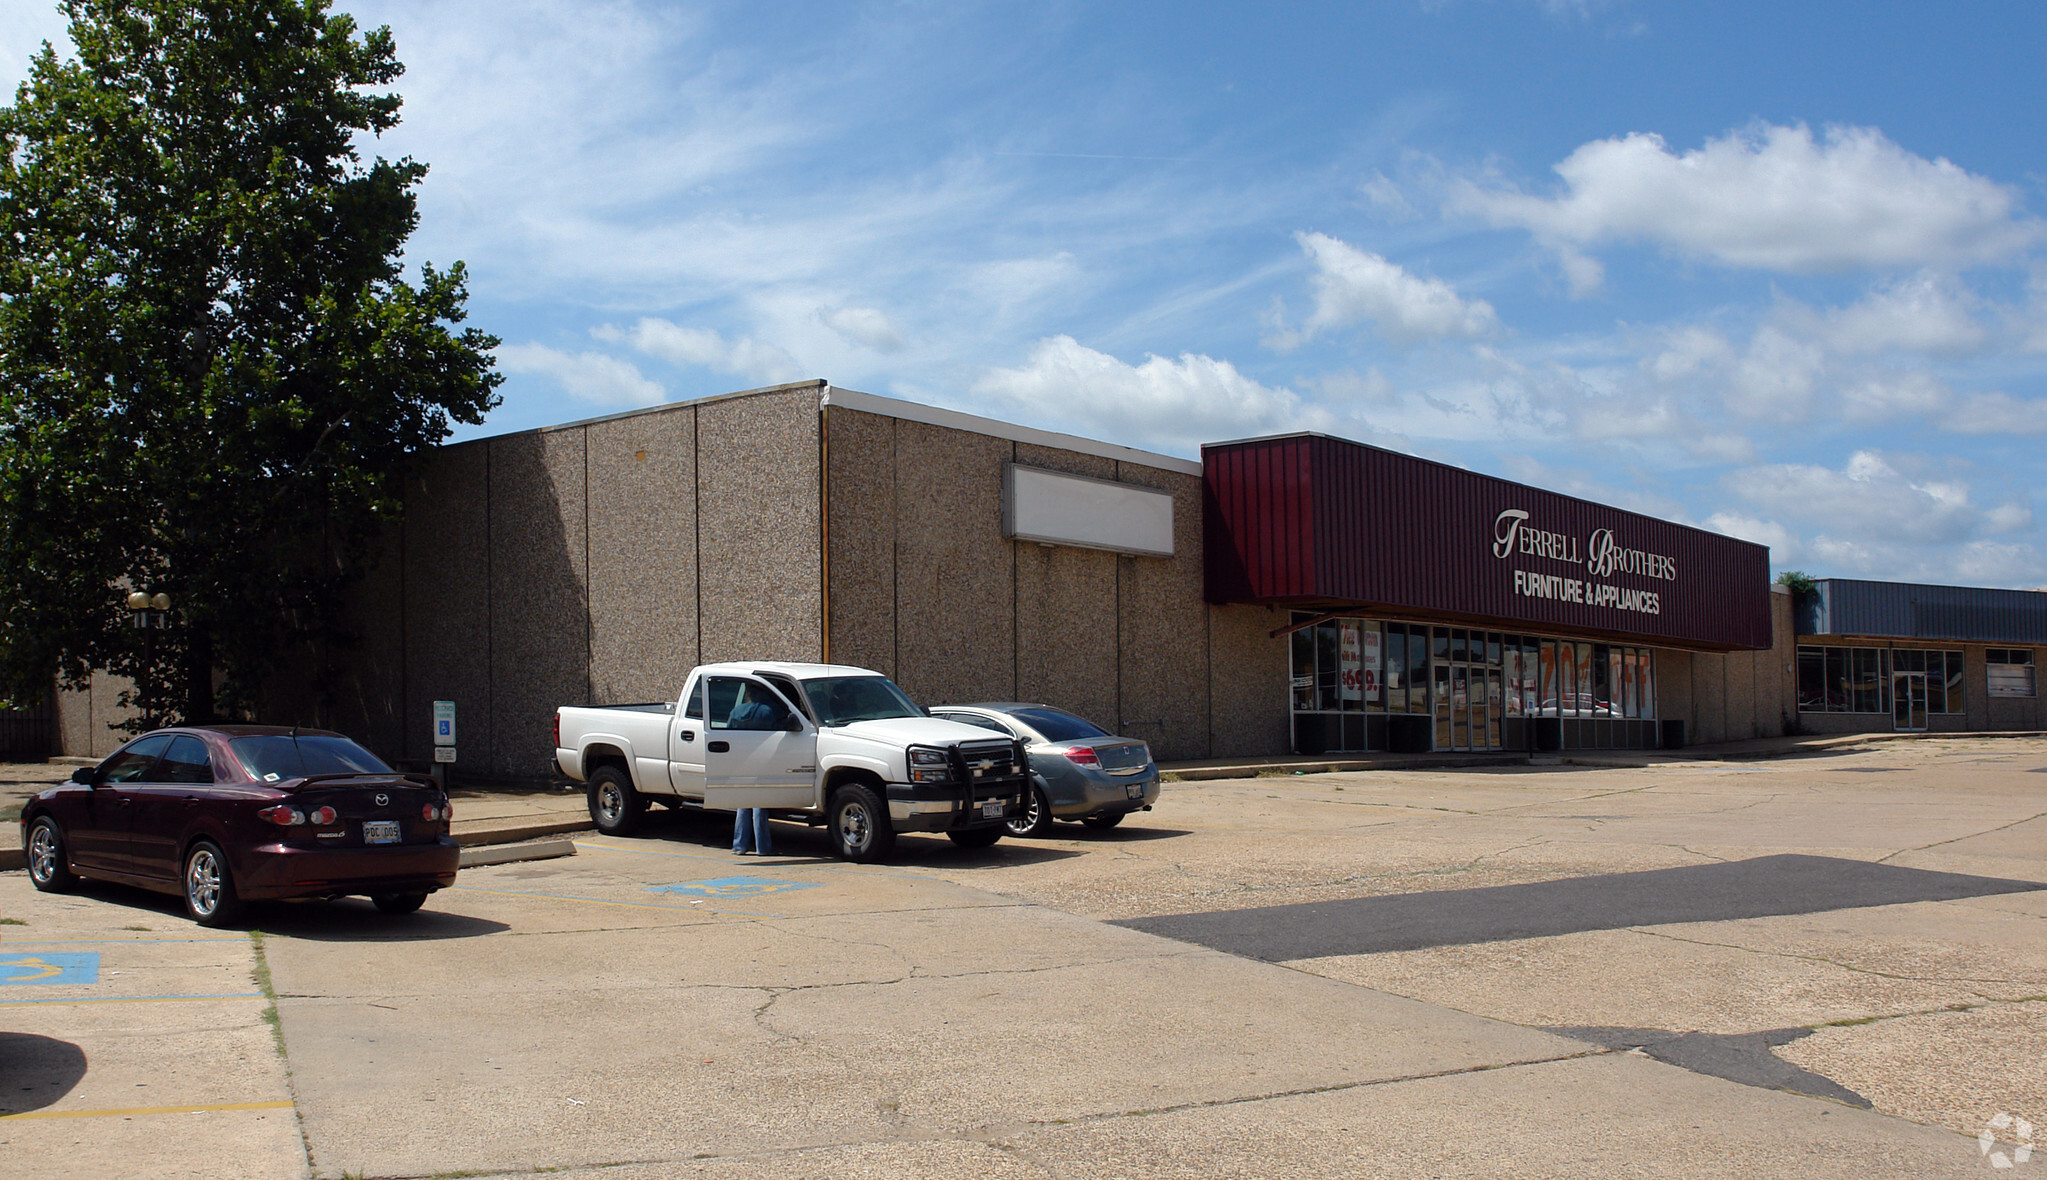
{"type": "Point", "coordinates": [753, 710]}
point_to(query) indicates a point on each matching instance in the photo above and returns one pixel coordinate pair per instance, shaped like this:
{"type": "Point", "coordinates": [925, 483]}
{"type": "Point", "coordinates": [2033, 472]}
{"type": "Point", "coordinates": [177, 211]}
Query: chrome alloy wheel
{"type": "Point", "coordinates": [42, 854]}
{"type": "Point", "coordinates": [610, 802]}
{"type": "Point", "coordinates": [1029, 817]}
{"type": "Point", "coordinates": [856, 827]}
{"type": "Point", "coordinates": [202, 882]}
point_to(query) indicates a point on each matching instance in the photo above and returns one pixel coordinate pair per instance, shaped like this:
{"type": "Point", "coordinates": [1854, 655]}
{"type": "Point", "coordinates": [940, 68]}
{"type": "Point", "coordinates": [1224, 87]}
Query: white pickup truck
{"type": "Point", "coordinates": [820, 743]}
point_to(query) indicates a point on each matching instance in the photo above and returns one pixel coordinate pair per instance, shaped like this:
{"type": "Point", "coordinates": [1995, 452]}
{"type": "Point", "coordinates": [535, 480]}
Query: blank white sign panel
{"type": "Point", "coordinates": [1091, 513]}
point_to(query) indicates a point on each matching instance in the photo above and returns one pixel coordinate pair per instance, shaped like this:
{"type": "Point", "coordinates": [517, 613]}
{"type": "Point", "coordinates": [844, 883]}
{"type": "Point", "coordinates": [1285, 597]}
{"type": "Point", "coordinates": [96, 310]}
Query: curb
{"type": "Point", "coordinates": [504, 854]}
{"type": "Point", "coordinates": [518, 831]}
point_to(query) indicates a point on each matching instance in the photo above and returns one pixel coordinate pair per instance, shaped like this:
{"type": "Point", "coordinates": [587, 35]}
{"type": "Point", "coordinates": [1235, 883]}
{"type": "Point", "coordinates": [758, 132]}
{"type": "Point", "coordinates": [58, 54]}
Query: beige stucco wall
{"type": "Point", "coordinates": [592, 563]}
{"type": "Point", "coordinates": [924, 586]}
{"type": "Point", "coordinates": [1734, 696]}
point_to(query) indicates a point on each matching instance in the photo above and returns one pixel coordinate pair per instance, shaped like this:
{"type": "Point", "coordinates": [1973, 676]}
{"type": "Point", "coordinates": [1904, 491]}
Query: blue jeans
{"type": "Point", "coordinates": [750, 831]}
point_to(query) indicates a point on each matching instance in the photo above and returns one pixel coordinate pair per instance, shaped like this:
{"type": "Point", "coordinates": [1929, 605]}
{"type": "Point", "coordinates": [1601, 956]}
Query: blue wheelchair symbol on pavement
{"type": "Point", "coordinates": [732, 887]}
{"type": "Point", "coordinates": [63, 967]}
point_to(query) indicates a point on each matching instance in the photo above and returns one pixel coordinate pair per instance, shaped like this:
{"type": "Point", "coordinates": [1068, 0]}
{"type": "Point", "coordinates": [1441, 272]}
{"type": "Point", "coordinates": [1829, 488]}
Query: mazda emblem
{"type": "Point", "coordinates": [383, 800]}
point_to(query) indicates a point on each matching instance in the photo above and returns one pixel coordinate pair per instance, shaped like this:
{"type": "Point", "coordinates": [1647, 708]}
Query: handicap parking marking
{"type": "Point", "coordinates": [733, 887]}
{"type": "Point", "coordinates": [52, 968]}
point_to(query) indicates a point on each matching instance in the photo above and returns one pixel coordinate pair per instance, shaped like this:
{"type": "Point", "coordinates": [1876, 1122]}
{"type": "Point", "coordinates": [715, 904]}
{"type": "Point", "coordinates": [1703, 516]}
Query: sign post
{"type": "Point", "coordinates": [444, 740]}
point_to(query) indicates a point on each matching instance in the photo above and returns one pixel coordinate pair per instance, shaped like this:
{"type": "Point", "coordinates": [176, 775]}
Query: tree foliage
{"type": "Point", "coordinates": [213, 369]}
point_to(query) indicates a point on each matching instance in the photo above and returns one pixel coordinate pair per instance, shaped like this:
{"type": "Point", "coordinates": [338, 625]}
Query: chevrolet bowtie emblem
{"type": "Point", "coordinates": [986, 765]}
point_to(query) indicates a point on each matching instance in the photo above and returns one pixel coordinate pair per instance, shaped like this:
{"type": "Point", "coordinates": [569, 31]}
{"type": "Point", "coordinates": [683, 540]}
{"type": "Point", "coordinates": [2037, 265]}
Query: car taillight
{"type": "Point", "coordinates": [324, 815]}
{"type": "Point", "coordinates": [432, 811]}
{"type": "Point", "coordinates": [557, 731]}
{"type": "Point", "coordinates": [283, 816]}
{"type": "Point", "coordinates": [1081, 755]}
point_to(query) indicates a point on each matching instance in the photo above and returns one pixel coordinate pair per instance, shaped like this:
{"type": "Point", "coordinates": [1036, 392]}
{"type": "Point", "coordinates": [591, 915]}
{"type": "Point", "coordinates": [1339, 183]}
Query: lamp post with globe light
{"type": "Point", "coordinates": [149, 613]}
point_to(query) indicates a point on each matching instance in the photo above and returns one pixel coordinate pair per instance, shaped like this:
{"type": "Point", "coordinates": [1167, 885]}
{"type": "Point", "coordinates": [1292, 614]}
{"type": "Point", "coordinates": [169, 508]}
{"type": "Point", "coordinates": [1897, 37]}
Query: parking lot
{"type": "Point", "coordinates": [1816, 966]}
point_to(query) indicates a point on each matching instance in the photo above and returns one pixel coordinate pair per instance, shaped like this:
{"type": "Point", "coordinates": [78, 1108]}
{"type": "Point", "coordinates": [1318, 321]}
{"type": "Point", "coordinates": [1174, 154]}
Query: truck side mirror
{"type": "Point", "coordinates": [795, 724]}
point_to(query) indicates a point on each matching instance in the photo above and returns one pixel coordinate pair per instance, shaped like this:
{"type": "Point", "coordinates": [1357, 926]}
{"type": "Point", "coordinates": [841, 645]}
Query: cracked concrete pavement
{"type": "Point", "coordinates": [978, 1012]}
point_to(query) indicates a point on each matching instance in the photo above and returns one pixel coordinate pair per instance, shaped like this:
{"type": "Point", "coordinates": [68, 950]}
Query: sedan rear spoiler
{"type": "Point", "coordinates": [413, 777]}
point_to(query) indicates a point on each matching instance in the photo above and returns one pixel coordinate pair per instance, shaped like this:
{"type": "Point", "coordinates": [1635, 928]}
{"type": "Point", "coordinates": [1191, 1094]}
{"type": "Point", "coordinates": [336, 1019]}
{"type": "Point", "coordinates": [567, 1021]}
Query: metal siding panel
{"type": "Point", "coordinates": [1376, 527]}
{"type": "Point", "coordinates": [1909, 610]}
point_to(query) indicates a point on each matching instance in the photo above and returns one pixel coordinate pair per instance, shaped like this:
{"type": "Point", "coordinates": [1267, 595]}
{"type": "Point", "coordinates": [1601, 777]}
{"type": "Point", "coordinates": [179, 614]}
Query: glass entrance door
{"type": "Point", "coordinates": [1908, 700]}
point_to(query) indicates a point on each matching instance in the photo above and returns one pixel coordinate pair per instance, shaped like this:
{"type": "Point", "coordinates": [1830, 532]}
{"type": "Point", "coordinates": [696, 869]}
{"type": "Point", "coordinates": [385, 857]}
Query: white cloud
{"type": "Point", "coordinates": [1171, 404]}
{"type": "Point", "coordinates": [864, 325]}
{"type": "Point", "coordinates": [745, 356]}
{"type": "Point", "coordinates": [1783, 546]}
{"type": "Point", "coordinates": [1927, 312]}
{"type": "Point", "coordinates": [1889, 517]}
{"type": "Point", "coordinates": [1883, 397]}
{"type": "Point", "coordinates": [1874, 497]}
{"type": "Point", "coordinates": [590, 376]}
{"type": "Point", "coordinates": [1353, 286]}
{"type": "Point", "coordinates": [1997, 413]}
{"type": "Point", "coordinates": [1777, 378]}
{"type": "Point", "coordinates": [1770, 198]}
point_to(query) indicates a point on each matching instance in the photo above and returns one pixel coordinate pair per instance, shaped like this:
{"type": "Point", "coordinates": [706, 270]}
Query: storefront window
{"type": "Point", "coordinates": [1345, 668]}
{"type": "Point", "coordinates": [1396, 667]}
{"type": "Point", "coordinates": [1326, 673]}
{"type": "Point", "coordinates": [1859, 679]}
{"type": "Point", "coordinates": [2009, 671]}
{"type": "Point", "coordinates": [1304, 670]}
{"type": "Point", "coordinates": [1812, 680]}
{"type": "Point", "coordinates": [1867, 686]}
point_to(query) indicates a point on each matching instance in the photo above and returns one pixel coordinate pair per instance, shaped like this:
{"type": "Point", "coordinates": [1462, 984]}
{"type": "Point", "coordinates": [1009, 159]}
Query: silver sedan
{"type": "Point", "coordinates": [1079, 770]}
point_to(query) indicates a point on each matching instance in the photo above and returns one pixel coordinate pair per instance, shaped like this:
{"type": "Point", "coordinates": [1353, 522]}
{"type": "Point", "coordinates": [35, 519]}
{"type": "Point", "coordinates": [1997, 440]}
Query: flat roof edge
{"type": "Point", "coordinates": [890, 407]}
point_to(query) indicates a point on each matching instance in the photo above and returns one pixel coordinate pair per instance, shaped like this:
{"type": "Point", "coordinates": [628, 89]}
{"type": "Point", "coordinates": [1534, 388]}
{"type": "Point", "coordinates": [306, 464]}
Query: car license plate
{"type": "Point", "coordinates": [380, 831]}
{"type": "Point", "coordinates": [1134, 790]}
{"type": "Point", "coordinates": [992, 807]}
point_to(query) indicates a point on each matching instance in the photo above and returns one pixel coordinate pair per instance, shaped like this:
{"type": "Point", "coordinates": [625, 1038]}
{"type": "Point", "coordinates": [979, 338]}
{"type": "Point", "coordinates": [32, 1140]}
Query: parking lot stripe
{"type": "Point", "coordinates": [133, 1000]}
{"type": "Point", "coordinates": [131, 1111]}
{"type": "Point", "coordinates": [5, 941]}
{"type": "Point", "coordinates": [631, 905]}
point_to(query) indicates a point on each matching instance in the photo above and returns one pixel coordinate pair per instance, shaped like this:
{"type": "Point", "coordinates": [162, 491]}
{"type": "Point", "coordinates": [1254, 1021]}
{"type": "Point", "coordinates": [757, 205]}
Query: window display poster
{"type": "Point", "coordinates": [1350, 663]}
{"type": "Point", "coordinates": [1372, 674]}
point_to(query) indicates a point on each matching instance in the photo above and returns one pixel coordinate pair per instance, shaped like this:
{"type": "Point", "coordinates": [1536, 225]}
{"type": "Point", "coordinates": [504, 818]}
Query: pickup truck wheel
{"type": "Point", "coordinates": [615, 807]}
{"type": "Point", "coordinates": [1105, 822]}
{"type": "Point", "coordinates": [860, 827]}
{"type": "Point", "coordinates": [1034, 818]}
{"type": "Point", "coordinates": [976, 837]}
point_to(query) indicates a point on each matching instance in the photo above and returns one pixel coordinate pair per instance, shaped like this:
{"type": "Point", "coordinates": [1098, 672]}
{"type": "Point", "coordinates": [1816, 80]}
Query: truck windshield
{"type": "Point", "coordinates": [838, 700]}
{"type": "Point", "coordinates": [280, 756]}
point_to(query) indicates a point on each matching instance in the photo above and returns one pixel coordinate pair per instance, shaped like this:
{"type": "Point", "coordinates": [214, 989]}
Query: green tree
{"type": "Point", "coordinates": [214, 372]}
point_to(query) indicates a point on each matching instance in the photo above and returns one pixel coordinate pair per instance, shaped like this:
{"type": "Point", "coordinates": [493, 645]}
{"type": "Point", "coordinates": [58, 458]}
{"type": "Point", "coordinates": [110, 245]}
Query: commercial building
{"type": "Point", "coordinates": [1895, 655]}
{"type": "Point", "coordinates": [1289, 594]}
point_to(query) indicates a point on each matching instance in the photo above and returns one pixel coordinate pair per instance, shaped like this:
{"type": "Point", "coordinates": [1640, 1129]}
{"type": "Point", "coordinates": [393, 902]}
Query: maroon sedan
{"type": "Point", "coordinates": [225, 814]}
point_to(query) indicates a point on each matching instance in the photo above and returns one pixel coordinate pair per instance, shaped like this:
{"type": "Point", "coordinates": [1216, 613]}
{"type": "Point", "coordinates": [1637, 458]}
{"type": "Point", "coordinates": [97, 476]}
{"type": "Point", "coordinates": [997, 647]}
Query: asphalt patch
{"type": "Point", "coordinates": [1739, 1057]}
{"type": "Point", "coordinates": [1767, 886]}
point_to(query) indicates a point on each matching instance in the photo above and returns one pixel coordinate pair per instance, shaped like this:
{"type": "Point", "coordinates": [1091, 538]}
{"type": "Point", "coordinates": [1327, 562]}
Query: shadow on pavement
{"type": "Point", "coordinates": [1737, 1057]}
{"type": "Point", "coordinates": [353, 919]}
{"type": "Point", "coordinates": [713, 830]}
{"type": "Point", "coordinates": [1764, 887]}
{"type": "Point", "coordinates": [38, 1071]}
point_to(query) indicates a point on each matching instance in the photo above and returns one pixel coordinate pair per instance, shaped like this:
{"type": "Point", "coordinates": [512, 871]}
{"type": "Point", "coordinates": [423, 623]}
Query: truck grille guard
{"type": "Point", "coordinates": [1005, 779]}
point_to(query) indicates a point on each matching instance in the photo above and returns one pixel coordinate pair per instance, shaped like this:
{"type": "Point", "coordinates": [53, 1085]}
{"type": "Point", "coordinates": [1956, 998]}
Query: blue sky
{"type": "Point", "coordinates": [1771, 269]}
